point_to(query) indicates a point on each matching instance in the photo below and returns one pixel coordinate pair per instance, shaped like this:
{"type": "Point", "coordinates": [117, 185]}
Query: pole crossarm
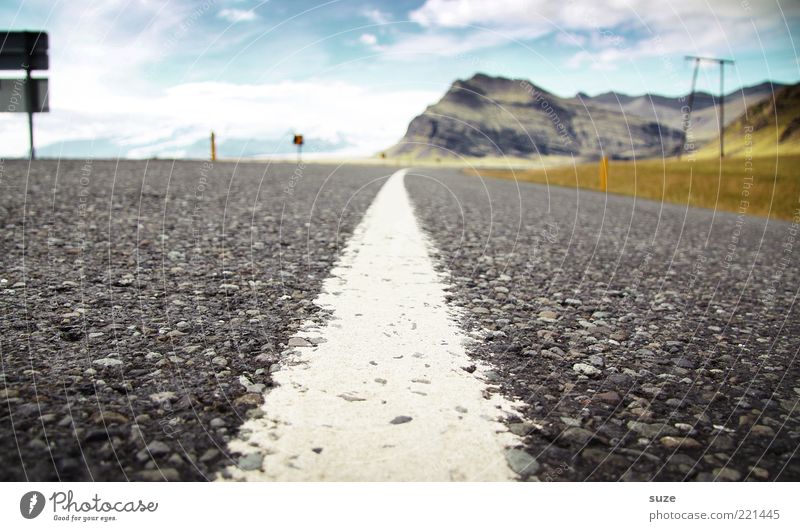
{"type": "Point", "coordinates": [710, 59]}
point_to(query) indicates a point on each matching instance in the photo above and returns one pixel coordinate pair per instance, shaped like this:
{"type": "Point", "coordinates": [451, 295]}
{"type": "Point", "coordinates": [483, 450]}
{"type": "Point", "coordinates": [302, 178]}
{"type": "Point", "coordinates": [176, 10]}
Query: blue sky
{"type": "Point", "coordinates": [152, 77]}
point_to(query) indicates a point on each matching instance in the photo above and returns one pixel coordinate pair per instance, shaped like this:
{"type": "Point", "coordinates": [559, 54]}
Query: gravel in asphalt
{"type": "Point", "coordinates": [647, 341]}
{"type": "Point", "coordinates": [144, 304]}
{"type": "Point", "coordinates": [378, 394]}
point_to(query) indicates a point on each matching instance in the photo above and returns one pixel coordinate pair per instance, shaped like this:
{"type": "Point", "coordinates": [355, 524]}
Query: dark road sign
{"type": "Point", "coordinates": [23, 50]}
{"type": "Point", "coordinates": [14, 95]}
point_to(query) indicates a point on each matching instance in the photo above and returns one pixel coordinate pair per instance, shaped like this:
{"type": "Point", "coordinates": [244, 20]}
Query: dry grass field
{"type": "Point", "coordinates": [770, 185]}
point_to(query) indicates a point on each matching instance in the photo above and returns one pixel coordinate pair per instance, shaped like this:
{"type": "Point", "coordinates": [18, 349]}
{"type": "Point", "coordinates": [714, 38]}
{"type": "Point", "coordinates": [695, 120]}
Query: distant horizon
{"type": "Point", "coordinates": [95, 149]}
{"type": "Point", "coordinates": [152, 79]}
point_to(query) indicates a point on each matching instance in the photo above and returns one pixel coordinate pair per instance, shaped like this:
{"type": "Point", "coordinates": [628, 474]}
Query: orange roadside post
{"type": "Point", "coordinates": [213, 148]}
{"type": "Point", "coordinates": [604, 174]}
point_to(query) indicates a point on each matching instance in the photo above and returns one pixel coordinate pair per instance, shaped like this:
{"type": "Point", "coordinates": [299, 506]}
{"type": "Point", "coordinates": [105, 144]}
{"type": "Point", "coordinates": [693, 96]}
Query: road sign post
{"type": "Point", "coordinates": [26, 50]}
{"type": "Point", "coordinates": [298, 141]}
{"type": "Point", "coordinates": [31, 100]}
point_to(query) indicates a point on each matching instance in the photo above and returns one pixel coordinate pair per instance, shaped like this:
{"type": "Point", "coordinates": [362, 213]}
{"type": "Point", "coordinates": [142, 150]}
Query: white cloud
{"type": "Point", "coordinates": [582, 14]}
{"type": "Point", "coordinates": [171, 119]}
{"type": "Point", "coordinates": [103, 86]}
{"type": "Point", "coordinates": [537, 16]}
{"type": "Point", "coordinates": [570, 38]}
{"type": "Point", "coordinates": [369, 39]}
{"type": "Point", "coordinates": [678, 26]}
{"type": "Point", "coordinates": [237, 15]}
{"type": "Point", "coordinates": [377, 16]}
{"type": "Point", "coordinates": [609, 51]}
{"type": "Point", "coordinates": [440, 43]}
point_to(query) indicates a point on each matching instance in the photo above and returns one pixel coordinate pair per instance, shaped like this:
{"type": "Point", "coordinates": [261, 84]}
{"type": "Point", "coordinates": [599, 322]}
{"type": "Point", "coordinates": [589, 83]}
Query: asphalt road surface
{"type": "Point", "coordinates": [149, 307]}
{"type": "Point", "coordinates": [136, 296]}
{"type": "Point", "coordinates": [648, 341]}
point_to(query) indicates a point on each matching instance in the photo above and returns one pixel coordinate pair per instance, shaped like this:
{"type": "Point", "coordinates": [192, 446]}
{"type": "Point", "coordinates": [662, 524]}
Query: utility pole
{"type": "Point", "coordinates": [689, 106]}
{"type": "Point", "coordinates": [722, 62]}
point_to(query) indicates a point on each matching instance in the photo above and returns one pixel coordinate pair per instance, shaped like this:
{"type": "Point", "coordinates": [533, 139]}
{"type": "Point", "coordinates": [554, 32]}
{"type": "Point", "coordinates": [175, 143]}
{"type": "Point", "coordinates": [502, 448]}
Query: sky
{"type": "Point", "coordinates": [142, 78]}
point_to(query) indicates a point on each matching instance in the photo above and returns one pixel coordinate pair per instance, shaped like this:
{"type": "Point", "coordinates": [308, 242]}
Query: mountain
{"type": "Point", "coordinates": [487, 116]}
{"type": "Point", "coordinates": [769, 127]}
{"type": "Point", "coordinates": [667, 110]}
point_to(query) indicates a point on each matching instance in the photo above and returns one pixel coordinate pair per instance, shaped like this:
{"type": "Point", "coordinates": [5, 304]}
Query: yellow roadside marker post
{"type": "Point", "coordinates": [213, 148]}
{"type": "Point", "coordinates": [604, 174]}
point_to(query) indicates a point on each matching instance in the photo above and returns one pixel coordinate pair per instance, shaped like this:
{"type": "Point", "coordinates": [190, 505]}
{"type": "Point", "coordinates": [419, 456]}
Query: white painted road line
{"type": "Point", "coordinates": [383, 394]}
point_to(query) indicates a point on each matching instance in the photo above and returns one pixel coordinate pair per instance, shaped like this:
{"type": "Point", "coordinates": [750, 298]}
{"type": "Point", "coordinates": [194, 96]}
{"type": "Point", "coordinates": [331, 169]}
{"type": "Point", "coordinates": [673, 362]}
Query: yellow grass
{"type": "Point", "coordinates": [772, 188]}
{"type": "Point", "coordinates": [739, 142]}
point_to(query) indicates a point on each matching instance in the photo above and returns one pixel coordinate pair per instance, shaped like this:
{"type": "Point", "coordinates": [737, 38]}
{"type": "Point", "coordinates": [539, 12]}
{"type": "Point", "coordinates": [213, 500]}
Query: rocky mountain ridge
{"type": "Point", "coordinates": [487, 116]}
